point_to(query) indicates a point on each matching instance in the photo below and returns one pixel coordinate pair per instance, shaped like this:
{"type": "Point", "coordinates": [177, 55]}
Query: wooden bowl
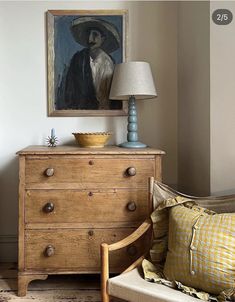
{"type": "Point", "coordinates": [92, 140]}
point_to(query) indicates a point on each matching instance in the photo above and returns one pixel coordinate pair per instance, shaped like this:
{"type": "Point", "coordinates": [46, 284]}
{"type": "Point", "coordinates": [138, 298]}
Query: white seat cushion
{"type": "Point", "coordinates": [133, 288]}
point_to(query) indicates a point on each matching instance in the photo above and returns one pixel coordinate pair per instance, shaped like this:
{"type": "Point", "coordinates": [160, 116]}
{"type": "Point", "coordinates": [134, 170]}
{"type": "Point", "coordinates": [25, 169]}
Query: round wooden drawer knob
{"type": "Point", "coordinates": [48, 207]}
{"type": "Point", "coordinates": [132, 250]}
{"type": "Point", "coordinates": [49, 251]}
{"type": "Point", "coordinates": [131, 206]}
{"type": "Point", "coordinates": [49, 172]}
{"type": "Point", "coordinates": [91, 233]}
{"type": "Point", "coordinates": [131, 171]}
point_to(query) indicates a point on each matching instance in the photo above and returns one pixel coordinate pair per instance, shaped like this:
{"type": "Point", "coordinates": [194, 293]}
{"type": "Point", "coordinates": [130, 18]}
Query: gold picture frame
{"type": "Point", "coordinates": [73, 88]}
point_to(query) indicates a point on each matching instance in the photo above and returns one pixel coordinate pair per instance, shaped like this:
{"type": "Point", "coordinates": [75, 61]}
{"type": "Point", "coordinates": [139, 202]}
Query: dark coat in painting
{"type": "Point", "coordinates": [79, 89]}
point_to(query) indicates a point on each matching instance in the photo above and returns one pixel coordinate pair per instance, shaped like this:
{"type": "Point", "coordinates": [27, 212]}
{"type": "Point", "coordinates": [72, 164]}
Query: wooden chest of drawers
{"type": "Point", "coordinates": [71, 199]}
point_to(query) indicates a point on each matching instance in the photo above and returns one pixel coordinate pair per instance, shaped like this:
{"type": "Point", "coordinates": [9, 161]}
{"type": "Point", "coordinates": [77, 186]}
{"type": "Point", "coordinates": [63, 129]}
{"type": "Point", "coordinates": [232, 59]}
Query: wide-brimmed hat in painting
{"type": "Point", "coordinates": [81, 27]}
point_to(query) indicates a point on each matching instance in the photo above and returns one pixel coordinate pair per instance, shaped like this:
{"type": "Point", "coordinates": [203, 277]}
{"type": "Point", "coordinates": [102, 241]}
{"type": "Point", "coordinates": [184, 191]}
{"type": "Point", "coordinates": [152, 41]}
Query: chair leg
{"type": "Point", "coordinates": [104, 272]}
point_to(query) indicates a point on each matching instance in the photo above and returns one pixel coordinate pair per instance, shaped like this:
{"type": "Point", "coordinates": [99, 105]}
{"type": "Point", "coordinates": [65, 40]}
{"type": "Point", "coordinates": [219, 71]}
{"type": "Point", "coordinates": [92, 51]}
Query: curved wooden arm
{"type": "Point", "coordinates": [143, 228]}
{"type": "Point", "coordinates": [105, 249]}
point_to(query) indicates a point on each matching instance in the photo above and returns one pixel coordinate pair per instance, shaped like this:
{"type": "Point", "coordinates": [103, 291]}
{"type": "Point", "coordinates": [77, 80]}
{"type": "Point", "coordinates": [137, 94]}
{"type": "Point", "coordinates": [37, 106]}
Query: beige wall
{"type": "Point", "coordinates": [194, 97]}
{"type": "Point", "coordinates": [23, 114]}
{"type": "Point", "coordinates": [206, 107]}
{"type": "Point", "coordinates": [158, 118]}
{"type": "Point", "coordinates": [223, 103]}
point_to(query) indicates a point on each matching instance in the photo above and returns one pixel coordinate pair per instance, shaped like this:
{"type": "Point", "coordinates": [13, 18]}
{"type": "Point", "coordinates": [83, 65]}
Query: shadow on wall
{"type": "Point", "coordinates": [9, 210]}
{"type": "Point", "coordinates": [111, 126]}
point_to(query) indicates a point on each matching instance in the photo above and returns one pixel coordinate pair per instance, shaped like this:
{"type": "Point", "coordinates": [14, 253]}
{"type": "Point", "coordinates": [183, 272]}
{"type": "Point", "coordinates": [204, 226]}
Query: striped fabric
{"type": "Point", "coordinates": [201, 247]}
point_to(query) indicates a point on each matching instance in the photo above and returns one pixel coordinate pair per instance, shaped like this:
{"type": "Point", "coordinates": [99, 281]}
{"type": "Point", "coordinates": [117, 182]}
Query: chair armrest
{"type": "Point", "coordinates": [105, 249]}
{"type": "Point", "coordinates": [142, 229]}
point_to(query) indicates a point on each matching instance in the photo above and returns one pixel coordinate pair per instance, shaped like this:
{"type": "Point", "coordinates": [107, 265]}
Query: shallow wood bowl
{"type": "Point", "coordinates": [92, 140]}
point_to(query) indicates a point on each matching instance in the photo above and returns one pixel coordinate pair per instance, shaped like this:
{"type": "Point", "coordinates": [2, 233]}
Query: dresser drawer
{"type": "Point", "coordinates": [74, 206]}
{"type": "Point", "coordinates": [89, 172]}
{"type": "Point", "coordinates": [76, 249]}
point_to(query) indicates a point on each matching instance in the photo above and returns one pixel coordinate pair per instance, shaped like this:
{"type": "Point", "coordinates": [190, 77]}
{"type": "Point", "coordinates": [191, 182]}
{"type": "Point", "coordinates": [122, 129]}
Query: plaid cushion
{"type": "Point", "coordinates": [201, 247]}
{"type": "Point", "coordinates": [160, 219]}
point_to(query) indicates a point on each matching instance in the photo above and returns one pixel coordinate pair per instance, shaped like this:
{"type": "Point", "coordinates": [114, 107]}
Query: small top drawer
{"type": "Point", "coordinates": [96, 172]}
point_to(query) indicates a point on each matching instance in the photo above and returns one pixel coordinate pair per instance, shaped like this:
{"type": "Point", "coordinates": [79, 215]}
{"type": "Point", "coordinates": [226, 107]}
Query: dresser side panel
{"type": "Point", "coordinates": [158, 167]}
{"type": "Point", "coordinates": [21, 243]}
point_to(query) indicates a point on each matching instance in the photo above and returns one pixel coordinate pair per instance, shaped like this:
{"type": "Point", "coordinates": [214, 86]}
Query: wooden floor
{"type": "Point", "coordinates": [66, 288]}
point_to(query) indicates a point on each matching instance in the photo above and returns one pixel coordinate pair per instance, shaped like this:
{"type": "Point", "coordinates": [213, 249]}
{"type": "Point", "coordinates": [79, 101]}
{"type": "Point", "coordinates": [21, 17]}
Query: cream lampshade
{"type": "Point", "coordinates": [131, 81]}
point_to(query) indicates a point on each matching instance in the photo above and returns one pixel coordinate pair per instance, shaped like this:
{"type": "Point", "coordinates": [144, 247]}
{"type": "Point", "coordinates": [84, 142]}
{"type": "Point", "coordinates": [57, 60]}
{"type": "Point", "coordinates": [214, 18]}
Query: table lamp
{"type": "Point", "coordinates": [131, 81]}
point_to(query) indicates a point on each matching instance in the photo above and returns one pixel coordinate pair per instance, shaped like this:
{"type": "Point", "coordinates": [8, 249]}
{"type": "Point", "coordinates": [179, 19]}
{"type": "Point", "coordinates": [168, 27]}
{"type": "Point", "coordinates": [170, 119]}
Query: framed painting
{"type": "Point", "coordinates": [83, 48]}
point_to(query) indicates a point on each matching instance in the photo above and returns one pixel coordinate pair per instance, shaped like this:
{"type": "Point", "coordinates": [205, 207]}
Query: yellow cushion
{"type": "Point", "coordinates": [160, 222]}
{"type": "Point", "coordinates": [201, 248]}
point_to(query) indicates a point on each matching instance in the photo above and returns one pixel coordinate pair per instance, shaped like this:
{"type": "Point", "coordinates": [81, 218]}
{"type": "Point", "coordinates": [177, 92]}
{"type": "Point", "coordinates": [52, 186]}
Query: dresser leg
{"type": "Point", "coordinates": [23, 282]}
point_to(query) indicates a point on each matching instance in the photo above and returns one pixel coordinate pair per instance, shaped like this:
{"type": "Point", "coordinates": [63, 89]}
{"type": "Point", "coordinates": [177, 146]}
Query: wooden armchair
{"type": "Point", "coordinates": [130, 285]}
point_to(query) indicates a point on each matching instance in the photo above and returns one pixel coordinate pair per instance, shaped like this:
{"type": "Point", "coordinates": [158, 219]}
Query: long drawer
{"type": "Point", "coordinates": [76, 206]}
{"type": "Point", "coordinates": [89, 172]}
{"type": "Point", "coordinates": [76, 249]}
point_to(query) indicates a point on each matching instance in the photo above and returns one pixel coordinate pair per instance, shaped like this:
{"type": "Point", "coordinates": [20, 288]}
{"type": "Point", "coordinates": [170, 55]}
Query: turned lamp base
{"type": "Point", "coordinates": [132, 127]}
{"type": "Point", "coordinates": [132, 145]}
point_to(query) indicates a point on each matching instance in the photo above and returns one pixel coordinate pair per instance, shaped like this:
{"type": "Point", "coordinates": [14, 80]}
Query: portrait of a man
{"type": "Point", "coordinates": [86, 49]}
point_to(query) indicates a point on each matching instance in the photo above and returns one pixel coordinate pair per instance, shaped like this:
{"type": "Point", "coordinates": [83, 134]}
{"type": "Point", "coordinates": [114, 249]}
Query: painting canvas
{"type": "Point", "coordinates": [83, 49]}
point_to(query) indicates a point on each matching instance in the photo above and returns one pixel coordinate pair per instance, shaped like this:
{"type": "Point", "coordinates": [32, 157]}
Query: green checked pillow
{"type": "Point", "coordinates": [201, 248]}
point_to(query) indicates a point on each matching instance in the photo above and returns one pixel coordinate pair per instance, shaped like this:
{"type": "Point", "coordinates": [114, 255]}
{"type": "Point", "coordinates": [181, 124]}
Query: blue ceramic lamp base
{"type": "Point", "coordinates": [132, 145]}
{"type": "Point", "coordinates": [132, 135]}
